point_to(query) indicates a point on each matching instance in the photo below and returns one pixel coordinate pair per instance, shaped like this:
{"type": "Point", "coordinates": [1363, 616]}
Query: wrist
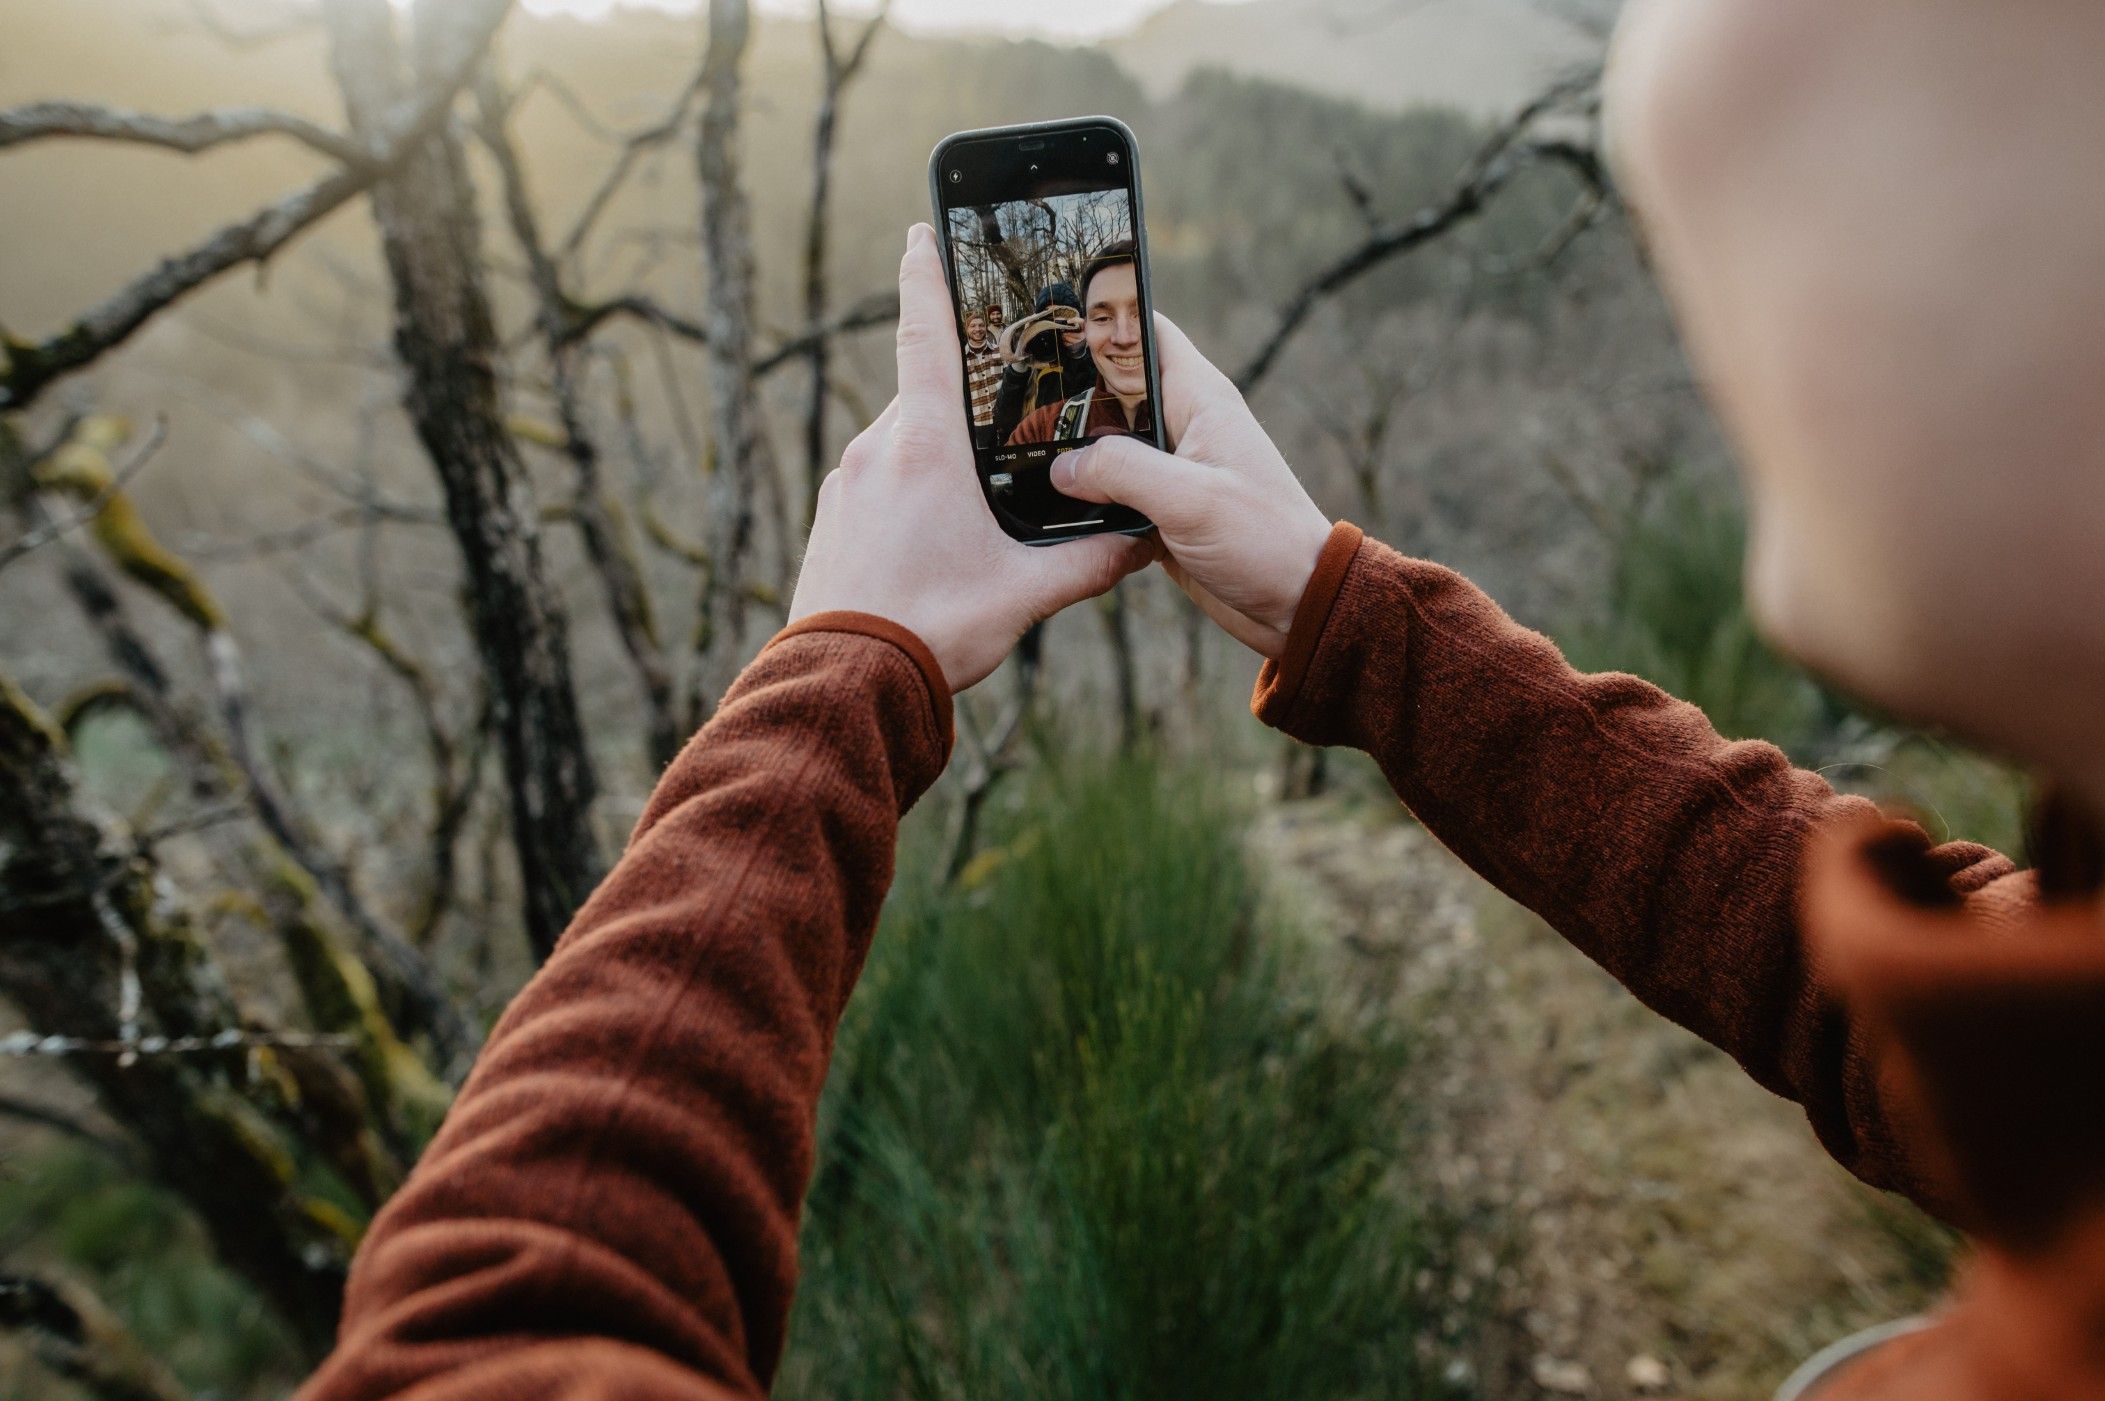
{"type": "Point", "coordinates": [1315, 537]}
{"type": "Point", "coordinates": [898, 635]}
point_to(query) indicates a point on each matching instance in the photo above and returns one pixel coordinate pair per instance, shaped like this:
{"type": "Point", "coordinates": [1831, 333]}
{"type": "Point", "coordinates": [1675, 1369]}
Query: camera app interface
{"type": "Point", "coordinates": [1056, 349]}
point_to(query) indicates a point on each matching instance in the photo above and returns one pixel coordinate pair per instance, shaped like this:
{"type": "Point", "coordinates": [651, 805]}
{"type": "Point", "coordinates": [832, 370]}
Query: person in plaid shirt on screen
{"type": "Point", "coordinates": [982, 375]}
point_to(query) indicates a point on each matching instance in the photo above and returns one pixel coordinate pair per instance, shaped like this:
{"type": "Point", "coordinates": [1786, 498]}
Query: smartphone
{"type": "Point", "coordinates": [1046, 248]}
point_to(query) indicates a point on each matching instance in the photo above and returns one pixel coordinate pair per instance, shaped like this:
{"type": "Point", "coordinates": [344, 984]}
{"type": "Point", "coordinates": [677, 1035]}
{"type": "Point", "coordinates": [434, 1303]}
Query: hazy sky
{"type": "Point", "coordinates": [1062, 19]}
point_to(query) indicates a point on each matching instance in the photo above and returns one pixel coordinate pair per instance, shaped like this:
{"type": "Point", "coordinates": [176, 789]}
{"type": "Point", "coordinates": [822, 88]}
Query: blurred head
{"type": "Point", "coordinates": [1111, 321]}
{"type": "Point", "coordinates": [995, 315]}
{"type": "Point", "coordinates": [1879, 226]}
{"type": "Point", "coordinates": [975, 328]}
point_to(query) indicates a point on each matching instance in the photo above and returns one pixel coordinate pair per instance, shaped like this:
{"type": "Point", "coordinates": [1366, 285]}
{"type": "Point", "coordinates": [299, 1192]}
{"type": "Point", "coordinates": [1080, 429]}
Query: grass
{"type": "Point", "coordinates": [1094, 1131]}
{"type": "Point", "coordinates": [144, 1255]}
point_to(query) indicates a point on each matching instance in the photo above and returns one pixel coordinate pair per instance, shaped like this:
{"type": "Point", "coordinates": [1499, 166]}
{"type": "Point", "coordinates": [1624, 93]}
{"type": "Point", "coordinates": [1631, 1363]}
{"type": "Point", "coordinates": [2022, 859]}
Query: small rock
{"type": "Point", "coordinates": [1564, 1378]}
{"type": "Point", "coordinates": [1648, 1373]}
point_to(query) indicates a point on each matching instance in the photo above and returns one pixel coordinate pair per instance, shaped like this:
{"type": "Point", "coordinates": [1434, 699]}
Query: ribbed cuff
{"type": "Point", "coordinates": [885, 630]}
{"type": "Point", "coordinates": [1279, 683]}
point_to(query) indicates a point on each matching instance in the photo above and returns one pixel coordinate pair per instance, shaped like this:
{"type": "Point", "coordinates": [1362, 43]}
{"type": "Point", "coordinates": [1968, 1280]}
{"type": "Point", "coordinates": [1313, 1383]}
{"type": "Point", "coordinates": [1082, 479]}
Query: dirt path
{"type": "Point", "coordinates": [1674, 1229]}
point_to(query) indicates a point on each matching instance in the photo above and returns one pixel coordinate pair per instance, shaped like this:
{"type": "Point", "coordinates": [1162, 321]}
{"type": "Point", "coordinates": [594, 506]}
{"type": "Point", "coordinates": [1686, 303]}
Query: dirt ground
{"type": "Point", "coordinates": [1666, 1227]}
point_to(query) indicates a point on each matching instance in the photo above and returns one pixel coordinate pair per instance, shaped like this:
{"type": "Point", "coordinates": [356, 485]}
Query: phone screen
{"type": "Point", "coordinates": [1041, 229]}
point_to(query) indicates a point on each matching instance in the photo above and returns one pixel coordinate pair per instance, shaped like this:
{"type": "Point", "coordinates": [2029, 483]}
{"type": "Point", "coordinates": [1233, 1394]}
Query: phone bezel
{"type": "Point", "coordinates": [1125, 520]}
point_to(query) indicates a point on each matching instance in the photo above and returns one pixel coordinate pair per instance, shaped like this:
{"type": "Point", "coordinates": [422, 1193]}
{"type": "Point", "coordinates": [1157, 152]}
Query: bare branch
{"type": "Point", "coordinates": [31, 368]}
{"type": "Point", "coordinates": [584, 320]}
{"type": "Point", "coordinates": [298, 537]}
{"type": "Point", "coordinates": [50, 530]}
{"type": "Point", "coordinates": [201, 131]}
{"type": "Point", "coordinates": [1488, 172]}
{"type": "Point", "coordinates": [877, 309]}
{"type": "Point", "coordinates": [636, 147]}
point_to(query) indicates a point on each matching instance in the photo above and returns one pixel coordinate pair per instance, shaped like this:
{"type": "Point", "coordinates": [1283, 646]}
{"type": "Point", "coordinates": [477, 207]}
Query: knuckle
{"type": "Point", "coordinates": [856, 456]}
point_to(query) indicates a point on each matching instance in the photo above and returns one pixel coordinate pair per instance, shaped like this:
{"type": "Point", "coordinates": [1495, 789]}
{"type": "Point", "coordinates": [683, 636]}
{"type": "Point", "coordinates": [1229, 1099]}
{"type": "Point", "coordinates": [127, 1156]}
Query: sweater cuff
{"type": "Point", "coordinates": [885, 630]}
{"type": "Point", "coordinates": [1279, 683]}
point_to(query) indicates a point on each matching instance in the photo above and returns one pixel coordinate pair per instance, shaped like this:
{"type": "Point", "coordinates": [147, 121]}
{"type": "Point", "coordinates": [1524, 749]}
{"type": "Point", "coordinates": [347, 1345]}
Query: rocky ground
{"type": "Point", "coordinates": [1656, 1224]}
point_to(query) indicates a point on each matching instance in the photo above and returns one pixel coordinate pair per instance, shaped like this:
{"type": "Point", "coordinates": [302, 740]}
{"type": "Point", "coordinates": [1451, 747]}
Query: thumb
{"type": "Point", "coordinates": [1079, 569]}
{"type": "Point", "coordinates": [1132, 473]}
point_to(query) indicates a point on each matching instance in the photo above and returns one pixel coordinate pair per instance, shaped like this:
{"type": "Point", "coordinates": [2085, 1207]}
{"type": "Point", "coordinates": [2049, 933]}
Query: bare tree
{"type": "Point", "coordinates": [606, 543]}
{"type": "Point", "coordinates": [742, 454]}
{"type": "Point", "coordinates": [447, 341]}
{"type": "Point", "coordinates": [837, 71]}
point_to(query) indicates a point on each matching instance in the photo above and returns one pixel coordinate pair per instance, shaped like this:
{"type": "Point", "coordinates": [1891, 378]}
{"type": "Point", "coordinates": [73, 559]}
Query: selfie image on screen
{"type": "Point", "coordinates": [1050, 300]}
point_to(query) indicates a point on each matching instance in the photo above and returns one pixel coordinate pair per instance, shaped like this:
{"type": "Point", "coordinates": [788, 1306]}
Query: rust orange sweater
{"type": "Point", "coordinates": [611, 1207]}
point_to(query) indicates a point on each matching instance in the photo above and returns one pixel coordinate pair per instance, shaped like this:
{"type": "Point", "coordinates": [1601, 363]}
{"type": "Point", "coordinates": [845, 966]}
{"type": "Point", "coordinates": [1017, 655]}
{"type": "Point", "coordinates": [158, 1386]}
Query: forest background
{"type": "Point", "coordinates": [399, 460]}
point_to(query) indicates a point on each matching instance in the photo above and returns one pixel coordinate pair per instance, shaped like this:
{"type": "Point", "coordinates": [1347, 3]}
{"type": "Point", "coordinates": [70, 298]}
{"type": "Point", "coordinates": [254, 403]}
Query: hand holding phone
{"type": "Point", "coordinates": [1237, 530]}
{"type": "Point", "coordinates": [901, 530]}
{"type": "Point", "coordinates": [1042, 236]}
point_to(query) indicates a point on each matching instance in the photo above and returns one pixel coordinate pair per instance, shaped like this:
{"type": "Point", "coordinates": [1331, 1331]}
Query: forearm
{"type": "Point", "coordinates": [620, 1179]}
{"type": "Point", "coordinates": [1666, 853]}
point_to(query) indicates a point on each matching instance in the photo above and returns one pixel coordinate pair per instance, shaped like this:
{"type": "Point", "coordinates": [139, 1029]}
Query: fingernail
{"type": "Point", "coordinates": [916, 235]}
{"type": "Point", "coordinates": [1063, 469]}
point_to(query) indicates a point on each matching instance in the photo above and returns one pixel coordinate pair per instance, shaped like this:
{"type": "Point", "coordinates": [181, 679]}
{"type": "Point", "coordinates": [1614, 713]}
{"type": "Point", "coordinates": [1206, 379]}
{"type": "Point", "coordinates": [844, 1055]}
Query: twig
{"type": "Point", "coordinates": [634, 149]}
{"type": "Point", "coordinates": [584, 320]}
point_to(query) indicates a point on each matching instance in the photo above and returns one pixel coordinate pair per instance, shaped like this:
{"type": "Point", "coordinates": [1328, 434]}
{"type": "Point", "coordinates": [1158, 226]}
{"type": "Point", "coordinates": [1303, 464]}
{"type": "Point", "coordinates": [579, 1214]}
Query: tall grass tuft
{"type": "Point", "coordinates": [1677, 615]}
{"type": "Point", "coordinates": [1095, 1130]}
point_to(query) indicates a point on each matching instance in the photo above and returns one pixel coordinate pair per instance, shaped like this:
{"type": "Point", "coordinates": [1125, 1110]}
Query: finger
{"type": "Point", "coordinates": [1079, 569]}
{"type": "Point", "coordinates": [1189, 379]}
{"type": "Point", "coordinates": [1170, 491]}
{"type": "Point", "coordinates": [931, 372]}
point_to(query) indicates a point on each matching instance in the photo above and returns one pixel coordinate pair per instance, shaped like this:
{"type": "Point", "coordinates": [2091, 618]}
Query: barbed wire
{"type": "Point", "coordinates": [32, 1043]}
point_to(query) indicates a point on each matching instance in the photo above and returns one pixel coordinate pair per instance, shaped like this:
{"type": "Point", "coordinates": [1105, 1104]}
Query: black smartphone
{"type": "Point", "coordinates": [1046, 249]}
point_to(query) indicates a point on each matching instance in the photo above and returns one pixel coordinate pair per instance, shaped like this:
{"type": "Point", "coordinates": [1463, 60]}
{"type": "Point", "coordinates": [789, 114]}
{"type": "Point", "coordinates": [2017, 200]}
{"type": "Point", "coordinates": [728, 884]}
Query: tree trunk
{"type": "Point", "coordinates": [606, 544]}
{"type": "Point", "coordinates": [447, 342]}
{"type": "Point", "coordinates": [741, 453]}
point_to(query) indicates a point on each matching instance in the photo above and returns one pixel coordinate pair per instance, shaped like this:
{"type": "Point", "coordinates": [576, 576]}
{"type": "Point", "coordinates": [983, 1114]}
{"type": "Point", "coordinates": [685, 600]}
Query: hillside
{"type": "Point", "coordinates": [1482, 57]}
